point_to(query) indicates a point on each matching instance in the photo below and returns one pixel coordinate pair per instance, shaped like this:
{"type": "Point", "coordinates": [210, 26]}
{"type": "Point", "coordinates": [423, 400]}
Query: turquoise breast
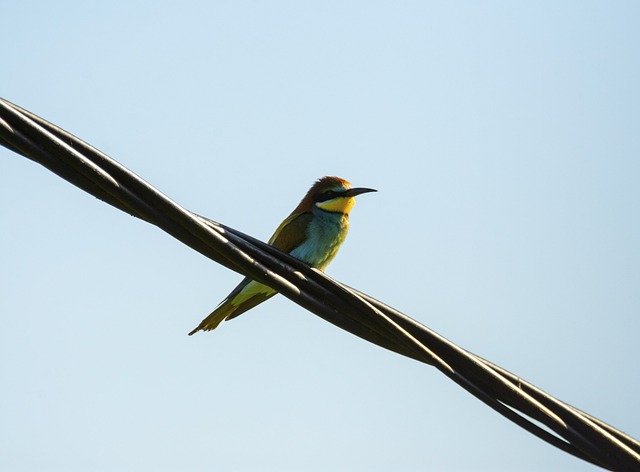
{"type": "Point", "coordinates": [325, 234]}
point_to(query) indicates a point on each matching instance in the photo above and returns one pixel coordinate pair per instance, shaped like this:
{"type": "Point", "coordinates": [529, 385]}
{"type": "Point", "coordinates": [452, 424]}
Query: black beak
{"type": "Point", "coordinates": [352, 192]}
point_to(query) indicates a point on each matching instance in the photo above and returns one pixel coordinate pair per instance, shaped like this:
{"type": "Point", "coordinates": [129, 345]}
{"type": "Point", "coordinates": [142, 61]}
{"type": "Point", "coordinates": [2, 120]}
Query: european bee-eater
{"type": "Point", "coordinates": [313, 232]}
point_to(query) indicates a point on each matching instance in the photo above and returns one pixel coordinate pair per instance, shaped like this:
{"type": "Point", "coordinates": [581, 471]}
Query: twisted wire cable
{"type": "Point", "coordinates": [548, 418]}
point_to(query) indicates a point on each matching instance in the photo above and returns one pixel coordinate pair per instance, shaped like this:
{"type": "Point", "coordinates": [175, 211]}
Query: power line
{"type": "Point", "coordinates": [567, 428]}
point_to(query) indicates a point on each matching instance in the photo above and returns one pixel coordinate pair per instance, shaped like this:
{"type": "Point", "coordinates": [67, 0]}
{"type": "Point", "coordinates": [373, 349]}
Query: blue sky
{"type": "Point", "coordinates": [502, 137]}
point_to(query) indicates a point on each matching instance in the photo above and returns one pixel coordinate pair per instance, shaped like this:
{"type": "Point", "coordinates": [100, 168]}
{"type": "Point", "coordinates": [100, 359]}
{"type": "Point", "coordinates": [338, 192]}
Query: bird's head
{"type": "Point", "coordinates": [332, 194]}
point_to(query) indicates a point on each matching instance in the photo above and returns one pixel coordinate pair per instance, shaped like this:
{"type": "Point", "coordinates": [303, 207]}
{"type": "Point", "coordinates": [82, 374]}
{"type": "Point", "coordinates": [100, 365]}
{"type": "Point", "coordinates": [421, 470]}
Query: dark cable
{"type": "Point", "coordinates": [576, 432]}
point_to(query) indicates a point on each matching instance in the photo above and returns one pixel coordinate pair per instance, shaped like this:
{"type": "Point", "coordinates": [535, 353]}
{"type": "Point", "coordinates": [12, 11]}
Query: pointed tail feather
{"type": "Point", "coordinates": [249, 295]}
{"type": "Point", "coordinates": [215, 318]}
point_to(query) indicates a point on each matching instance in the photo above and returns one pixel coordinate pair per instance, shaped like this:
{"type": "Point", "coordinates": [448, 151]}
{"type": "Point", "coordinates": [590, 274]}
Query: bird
{"type": "Point", "coordinates": [312, 233]}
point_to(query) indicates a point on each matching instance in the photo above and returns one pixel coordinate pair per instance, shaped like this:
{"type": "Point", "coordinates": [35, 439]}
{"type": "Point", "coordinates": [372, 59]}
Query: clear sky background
{"type": "Point", "coordinates": [504, 140]}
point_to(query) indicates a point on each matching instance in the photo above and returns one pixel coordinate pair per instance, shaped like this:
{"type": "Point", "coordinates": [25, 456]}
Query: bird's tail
{"type": "Point", "coordinates": [212, 321]}
{"type": "Point", "coordinates": [246, 296]}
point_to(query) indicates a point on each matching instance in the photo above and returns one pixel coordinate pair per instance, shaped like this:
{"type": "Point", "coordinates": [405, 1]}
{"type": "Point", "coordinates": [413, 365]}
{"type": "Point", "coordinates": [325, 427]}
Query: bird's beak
{"type": "Point", "coordinates": [352, 192]}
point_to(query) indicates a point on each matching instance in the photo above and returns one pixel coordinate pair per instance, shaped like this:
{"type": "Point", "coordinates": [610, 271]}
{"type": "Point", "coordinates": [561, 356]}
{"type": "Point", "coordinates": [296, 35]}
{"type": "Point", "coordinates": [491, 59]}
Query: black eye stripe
{"type": "Point", "coordinates": [326, 195]}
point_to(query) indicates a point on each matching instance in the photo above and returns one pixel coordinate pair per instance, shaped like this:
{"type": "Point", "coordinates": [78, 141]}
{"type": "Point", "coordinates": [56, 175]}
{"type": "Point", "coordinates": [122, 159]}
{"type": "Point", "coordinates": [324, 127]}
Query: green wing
{"type": "Point", "coordinates": [291, 233]}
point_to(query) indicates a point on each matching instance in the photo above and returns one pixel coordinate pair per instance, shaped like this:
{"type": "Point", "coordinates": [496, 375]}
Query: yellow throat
{"type": "Point", "coordinates": [338, 205]}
